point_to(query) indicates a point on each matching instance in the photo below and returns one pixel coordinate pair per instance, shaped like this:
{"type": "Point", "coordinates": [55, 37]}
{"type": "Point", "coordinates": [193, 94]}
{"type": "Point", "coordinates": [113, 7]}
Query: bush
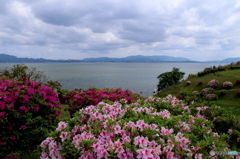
{"type": "Point", "coordinates": [28, 110]}
{"type": "Point", "coordinates": [206, 91]}
{"type": "Point", "coordinates": [213, 83]}
{"type": "Point", "coordinates": [223, 92]}
{"type": "Point", "coordinates": [188, 82]}
{"type": "Point", "coordinates": [238, 93]}
{"type": "Point", "coordinates": [227, 85]}
{"type": "Point", "coordinates": [211, 97]}
{"type": "Point", "coordinates": [200, 83]}
{"type": "Point", "coordinates": [80, 99]}
{"type": "Point", "coordinates": [135, 131]}
{"type": "Point", "coordinates": [237, 82]}
{"type": "Point", "coordinates": [196, 93]}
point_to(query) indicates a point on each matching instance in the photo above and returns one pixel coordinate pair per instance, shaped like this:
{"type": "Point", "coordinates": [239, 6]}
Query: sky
{"type": "Point", "coordinates": [75, 29]}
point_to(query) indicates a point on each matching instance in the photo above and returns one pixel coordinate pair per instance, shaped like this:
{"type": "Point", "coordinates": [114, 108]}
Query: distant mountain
{"type": "Point", "coordinates": [4, 58]}
{"type": "Point", "coordinates": [230, 60]}
{"type": "Point", "coordinates": [138, 58]}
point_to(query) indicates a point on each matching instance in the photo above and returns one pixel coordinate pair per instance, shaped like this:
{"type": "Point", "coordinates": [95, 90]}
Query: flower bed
{"type": "Point", "coordinates": [80, 99]}
{"type": "Point", "coordinates": [27, 111]}
{"type": "Point", "coordinates": [151, 129]}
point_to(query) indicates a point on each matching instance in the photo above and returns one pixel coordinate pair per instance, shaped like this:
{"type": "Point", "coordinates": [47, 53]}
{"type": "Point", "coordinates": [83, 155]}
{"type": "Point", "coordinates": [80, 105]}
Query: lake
{"type": "Point", "coordinates": [137, 77]}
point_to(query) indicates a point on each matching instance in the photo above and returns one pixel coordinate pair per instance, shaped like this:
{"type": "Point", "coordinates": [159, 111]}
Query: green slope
{"type": "Point", "coordinates": [230, 102]}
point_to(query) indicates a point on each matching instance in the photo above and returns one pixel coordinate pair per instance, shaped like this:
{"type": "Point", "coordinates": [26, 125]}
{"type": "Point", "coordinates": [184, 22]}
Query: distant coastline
{"type": "Point", "coordinates": [4, 58]}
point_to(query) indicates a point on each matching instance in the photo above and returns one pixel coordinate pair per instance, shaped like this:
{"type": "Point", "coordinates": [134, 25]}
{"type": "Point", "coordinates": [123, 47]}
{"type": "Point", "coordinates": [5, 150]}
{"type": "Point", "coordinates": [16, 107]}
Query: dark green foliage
{"type": "Point", "coordinates": [22, 72]}
{"type": "Point", "coordinates": [169, 78]}
{"type": "Point", "coordinates": [223, 92]}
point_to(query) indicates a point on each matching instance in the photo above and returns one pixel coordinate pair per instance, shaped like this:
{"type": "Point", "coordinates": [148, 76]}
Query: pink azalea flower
{"type": "Point", "coordinates": [144, 153]}
{"type": "Point", "coordinates": [61, 126]}
{"type": "Point", "coordinates": [165, 131]}
{"type": "Point", "coordinates": [198, 156]}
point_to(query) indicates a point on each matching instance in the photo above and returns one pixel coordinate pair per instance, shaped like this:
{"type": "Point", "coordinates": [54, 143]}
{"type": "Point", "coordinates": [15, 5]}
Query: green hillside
{"type": "Point", "coordinates": [230, 101]}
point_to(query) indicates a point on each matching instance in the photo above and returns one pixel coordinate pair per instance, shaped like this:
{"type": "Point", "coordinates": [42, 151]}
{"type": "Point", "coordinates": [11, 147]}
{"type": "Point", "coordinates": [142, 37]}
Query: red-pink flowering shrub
{"type": "Point", "coordinates": [213, 83]}
{"type": "Point", "coordinates": [79, 99]}
{"type": "Point", "coordinates": [238, 93]}
{"type": "Point", "coordinates": [237, 82]}
{"type": "Point", "coordinates": [227, 85]}
{"type": "Point", "coordinates": [27, 111]}
{"type": "Point", "coordinates": [135, 131]}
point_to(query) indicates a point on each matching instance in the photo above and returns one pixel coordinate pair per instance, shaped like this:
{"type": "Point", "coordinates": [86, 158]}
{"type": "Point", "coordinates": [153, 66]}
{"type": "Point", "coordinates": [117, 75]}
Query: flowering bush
{"type": "Point", "coordinates": [188, 82]}
{"type": "Point", "coordinates": [227, 85]}
{"type": "Point", "coordinates": [27, 111]}
{"type": "Point", "coordinates": [237, 82]}
{"type": "Point", "coordinates": [80, 99]}
{"type": "Point", "coordinates": [213, 83]}
{"type": "Point", "coordinates": [200, 83]}
{"type": "Point", "coordinates": [238, 93]}
{"type": "Point", "coordinates": [143, 131]}
{"type": "Point", "coordinates": [211, 97]}
{"type": "Point", "coordinates": [206, 91]}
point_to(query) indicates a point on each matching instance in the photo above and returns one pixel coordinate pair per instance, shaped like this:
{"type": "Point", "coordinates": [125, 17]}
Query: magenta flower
{"type": "Point", "coordinates": [2, 114]}
{"type": "Point", "coordinates": [36, 108]}
{"type": "Point", "coordinates": [12, 137]}
{"type": "Point", "coordinates": [23, 109]}
{"type": "Point", "coordinates": [24, 127]}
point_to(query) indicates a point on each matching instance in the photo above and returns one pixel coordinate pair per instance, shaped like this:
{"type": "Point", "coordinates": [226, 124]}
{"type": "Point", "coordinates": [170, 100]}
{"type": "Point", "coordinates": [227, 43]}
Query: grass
{"type": "Point", "coordinates": [230, 101]}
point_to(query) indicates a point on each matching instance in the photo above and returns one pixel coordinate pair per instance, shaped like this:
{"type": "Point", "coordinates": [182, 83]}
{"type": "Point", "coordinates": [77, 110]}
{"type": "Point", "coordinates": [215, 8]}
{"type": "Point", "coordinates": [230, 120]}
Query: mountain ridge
{"type": "Point", "coordinates": [5, 58]}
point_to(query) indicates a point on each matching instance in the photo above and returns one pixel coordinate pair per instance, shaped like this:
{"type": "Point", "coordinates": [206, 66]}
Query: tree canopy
{"type": "Point", "coordinates": [169, 78]}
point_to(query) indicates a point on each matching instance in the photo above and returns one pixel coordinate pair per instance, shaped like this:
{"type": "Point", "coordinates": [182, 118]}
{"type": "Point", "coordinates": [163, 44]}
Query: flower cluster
{"type": "Point", "coordinates": [213, 83]}
{"type": "Point", "coordinates": [27, 110]}
{"type": "Point", "coordinates": [227, 85]}
{"type": "Point", "coordinates": [137, 130]}
{"type": "Point", "coordinates": [188, 82]}
{"type": "Point", "coordinates": [80, 99]}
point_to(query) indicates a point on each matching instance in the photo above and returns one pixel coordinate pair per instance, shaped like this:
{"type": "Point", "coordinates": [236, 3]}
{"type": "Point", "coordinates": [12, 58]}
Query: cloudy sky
{"type": "Point", "coordinates": [77, 29]}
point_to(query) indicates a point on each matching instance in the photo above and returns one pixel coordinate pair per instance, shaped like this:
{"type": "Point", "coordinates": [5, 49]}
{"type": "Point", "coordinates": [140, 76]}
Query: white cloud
{"type": "Point", "coordinates": [198, 30]}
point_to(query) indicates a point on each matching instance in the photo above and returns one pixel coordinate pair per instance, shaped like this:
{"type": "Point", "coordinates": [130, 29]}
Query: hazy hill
{"type": "Point", "coordinates": [138, 58]}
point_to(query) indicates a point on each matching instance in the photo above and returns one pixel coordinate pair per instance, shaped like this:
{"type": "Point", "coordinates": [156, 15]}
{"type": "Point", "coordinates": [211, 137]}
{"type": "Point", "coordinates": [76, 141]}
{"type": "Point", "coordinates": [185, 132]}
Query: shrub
{"type": "Point", "coordinates": [200, 83]}
{"type": "Point", "coordinates": [227, 85]}
{"type": "Point", "coordinates": [238, 93]}
{"type": "Point", "coordinates": [27, 111]}
{"type": "Point", "coordinates": [223, 92]}
{"type": "Point", "coordinates": [135, 131]}
{"type": "Point", "coordinates": [206, 91]}
{"type": "Point", "coordinates": [179, 96]}
{"type": "Point", "coordinates": [211, 97]}
{"type": "Point", "coordinates": [213, 83]}
{"type": "Point", "coordinates": [197, 93]}
{"type": "Point", "coordinates": [188, 82]}
{"type": "Point", "coordinates": [79, 99]}
{"type": "Point", "coordinates": [237, 82]}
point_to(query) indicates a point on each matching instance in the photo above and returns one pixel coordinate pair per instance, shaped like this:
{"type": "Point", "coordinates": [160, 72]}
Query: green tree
{"type": "Point", "coordinates": [21, 71]}
{"type": "Point", "coordinates": [169, 78]}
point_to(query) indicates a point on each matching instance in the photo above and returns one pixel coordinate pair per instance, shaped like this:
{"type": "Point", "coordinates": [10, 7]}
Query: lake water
{"type": "Point", "coordinates": [137, 77]}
